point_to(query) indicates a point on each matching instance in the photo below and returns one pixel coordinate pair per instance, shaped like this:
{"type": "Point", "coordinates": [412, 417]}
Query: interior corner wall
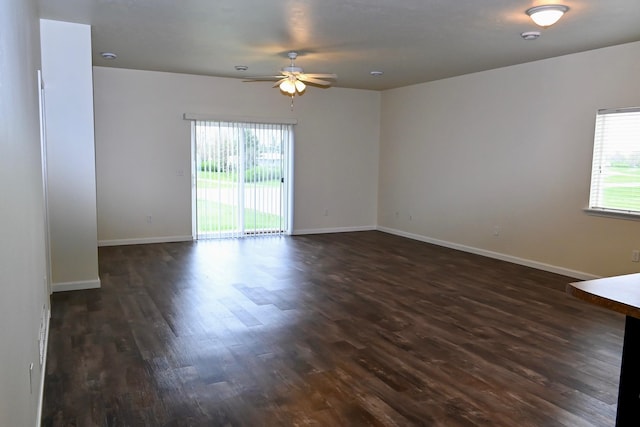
{"type": "Point", "coordinates": [24, 303]}
{"type": "Point", "coordinates": [67, 75]}
{"type": "Point", "coordinates": [499, 162]}
{"type": "Point", "coordinates": [143, 149]}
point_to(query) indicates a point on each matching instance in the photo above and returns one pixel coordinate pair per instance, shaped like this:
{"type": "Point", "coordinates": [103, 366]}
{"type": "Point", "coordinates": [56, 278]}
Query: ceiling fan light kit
{"type": "Point", "coordinates": [293, 80]}
{"type": "Point", "coordinates": [292, 86]}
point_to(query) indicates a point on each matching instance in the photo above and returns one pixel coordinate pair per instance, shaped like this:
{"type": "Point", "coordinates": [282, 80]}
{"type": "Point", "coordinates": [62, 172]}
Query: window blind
{"type": "Point", "coordinates": [240, 178]}
{"type": "Point", "coordinates": [615, 173]}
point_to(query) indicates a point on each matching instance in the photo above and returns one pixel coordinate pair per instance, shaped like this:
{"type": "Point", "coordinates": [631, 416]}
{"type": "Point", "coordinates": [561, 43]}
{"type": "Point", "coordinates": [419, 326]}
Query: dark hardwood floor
{"type": "Point", "coordinates": [331, 330]}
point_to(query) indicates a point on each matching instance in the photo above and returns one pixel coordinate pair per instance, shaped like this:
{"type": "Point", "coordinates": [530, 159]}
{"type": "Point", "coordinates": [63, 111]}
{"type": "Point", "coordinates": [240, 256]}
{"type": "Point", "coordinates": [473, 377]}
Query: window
{"type": "Point", "coordinates": [615, 173]}
{"type": "Point", "coordinates": [241, 172]}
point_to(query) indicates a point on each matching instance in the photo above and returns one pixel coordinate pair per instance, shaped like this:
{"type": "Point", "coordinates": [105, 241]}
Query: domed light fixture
{"type": "Point", "coordinates": [547, 15]}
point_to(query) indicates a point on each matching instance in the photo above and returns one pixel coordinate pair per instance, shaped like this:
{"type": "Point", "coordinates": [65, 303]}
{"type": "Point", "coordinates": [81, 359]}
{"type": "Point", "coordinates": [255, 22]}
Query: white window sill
{"type": "Point", "coordinates": [631, 215]}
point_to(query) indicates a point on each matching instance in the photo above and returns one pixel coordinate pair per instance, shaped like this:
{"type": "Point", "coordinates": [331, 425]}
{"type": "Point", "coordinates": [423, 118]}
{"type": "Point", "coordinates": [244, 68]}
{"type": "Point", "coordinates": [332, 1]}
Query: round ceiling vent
{"type": "Point", "coordinates": [530, 35]}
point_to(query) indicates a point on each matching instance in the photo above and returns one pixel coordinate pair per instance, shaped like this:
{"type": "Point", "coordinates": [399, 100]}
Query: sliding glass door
{"type": "Point", "coordinates": [241, 175]}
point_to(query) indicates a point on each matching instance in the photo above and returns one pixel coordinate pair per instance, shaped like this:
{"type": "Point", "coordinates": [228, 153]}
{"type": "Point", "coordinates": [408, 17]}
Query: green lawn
{"type": "Point", "coordinates": [229, 180]}
{"type": "Point", "coordinates": [223, 217]}
{"type": "Point", "coordinates": [218, 176]}
{"type": "Point", "coordinates": [623, 176]}
{"type": "Point", "coordinates": [219, 217]}
{"type": "Point", "coordinates": [623, 198]}
{"type": "Point", "coordinates": [626, 196]}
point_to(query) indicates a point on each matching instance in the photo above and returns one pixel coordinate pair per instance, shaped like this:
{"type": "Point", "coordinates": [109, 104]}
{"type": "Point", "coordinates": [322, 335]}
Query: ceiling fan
{"type": "Point", "coordinates": [292, 79]}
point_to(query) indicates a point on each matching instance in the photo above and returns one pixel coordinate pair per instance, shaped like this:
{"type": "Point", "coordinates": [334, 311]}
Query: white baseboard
{"type": "Point", "coordinates": [75, 286]}
{"type": "Point", "coordinates": [478, 251]}
{"type": "Point", "coordinates": [496, 255]}
{"type": "Point", "coordinates": [43, 369]}
{"type": "Point", "coordinates": [333, 230]}
{"type": "Point", "coordinates": [144, 240]}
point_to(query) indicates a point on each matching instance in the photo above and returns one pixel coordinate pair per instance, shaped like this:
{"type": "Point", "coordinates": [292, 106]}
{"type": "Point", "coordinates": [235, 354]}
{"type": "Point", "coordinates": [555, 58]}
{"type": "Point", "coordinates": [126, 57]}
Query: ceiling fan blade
{"type": "Point", "coordinates": [307, 79]}
{"type": "Point", "coordinates": [320, 75]}
{"type": "Point", "coordinates": [263, 78]}
{"type": "Point", "coordinates": [280, 81]}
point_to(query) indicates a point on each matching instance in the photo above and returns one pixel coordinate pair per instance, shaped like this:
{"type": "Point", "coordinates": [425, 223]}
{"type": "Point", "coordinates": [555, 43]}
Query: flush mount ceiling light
{"type": "Point", "coordinates": [376, 73]}
{"type": "Point", "coordinates": [547, 15]}
{"type": "Point", "coordinates": [108, 55]}
{"type": "Point", "coordinates": [241, 68]}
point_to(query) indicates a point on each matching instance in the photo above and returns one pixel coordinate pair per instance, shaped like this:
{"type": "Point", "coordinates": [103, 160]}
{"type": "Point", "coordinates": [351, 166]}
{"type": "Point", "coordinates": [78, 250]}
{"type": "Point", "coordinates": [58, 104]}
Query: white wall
{"type": "Point", "coordinates": [142, 141]}
{"type": "Point", "coordinates": [67, 74]}
{"type": "Point", "coordinates": [22, 248]}
{"type": "Point", "coordinates": [510, 148]}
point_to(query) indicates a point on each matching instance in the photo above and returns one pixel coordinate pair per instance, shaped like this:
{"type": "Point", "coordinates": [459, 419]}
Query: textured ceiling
{"type": "Point", "coordinates": [411, 41]}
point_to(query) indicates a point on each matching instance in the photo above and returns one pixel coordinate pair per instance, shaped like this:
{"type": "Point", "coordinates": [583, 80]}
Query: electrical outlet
{"type": "Point", "coordinates": [326, 212]}
{"type": "Point", "coordinates": [496, 231]}
{"type": "Point", "coordinates": [635, 255]}
{"type": "Point", "coordinates": [149, 219]}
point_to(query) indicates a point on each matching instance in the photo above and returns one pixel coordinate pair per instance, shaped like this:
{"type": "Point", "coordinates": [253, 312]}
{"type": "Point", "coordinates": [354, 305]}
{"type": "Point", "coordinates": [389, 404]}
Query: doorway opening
{"type": "Point", "coordinates": [242, 179]}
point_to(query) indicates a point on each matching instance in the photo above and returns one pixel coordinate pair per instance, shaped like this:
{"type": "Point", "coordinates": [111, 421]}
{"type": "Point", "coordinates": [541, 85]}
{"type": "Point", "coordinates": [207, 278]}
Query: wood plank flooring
{"type": "Point", "coordinates": [330, 330]}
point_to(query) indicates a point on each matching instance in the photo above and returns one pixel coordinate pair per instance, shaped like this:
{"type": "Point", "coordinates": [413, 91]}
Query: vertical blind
{"type": "Point", "coordinates": [240, 178]}
{"type": "Point", "coordinates": [615, 173]}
